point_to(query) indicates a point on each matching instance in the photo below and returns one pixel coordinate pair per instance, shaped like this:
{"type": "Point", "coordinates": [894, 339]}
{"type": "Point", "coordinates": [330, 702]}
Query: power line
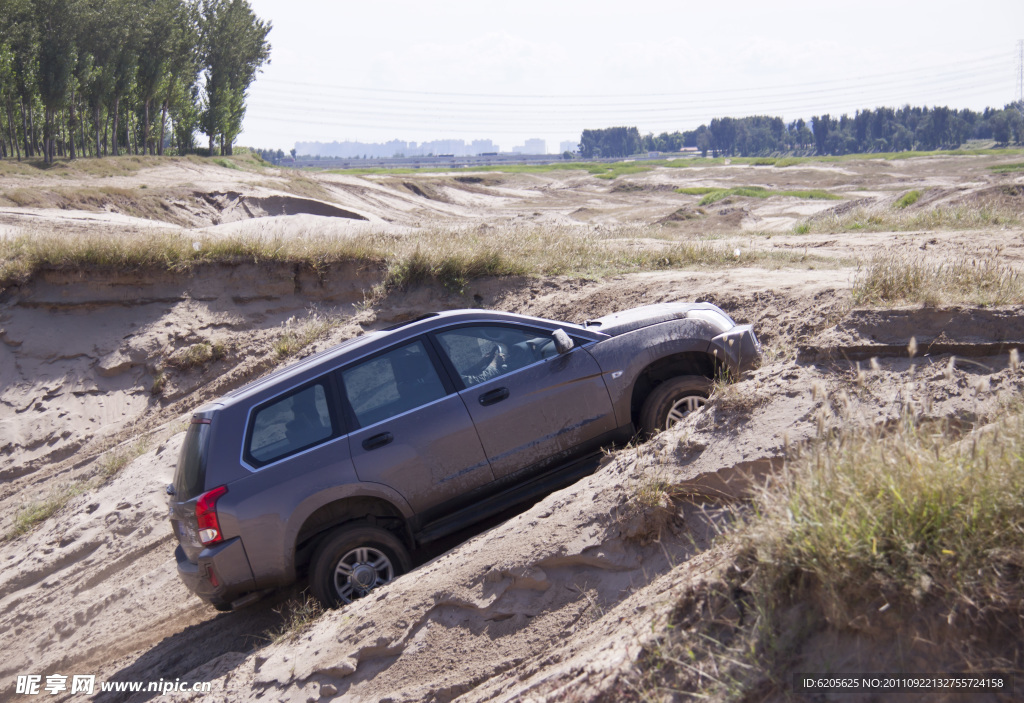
{"type": "Point", "coordinates": [341, 108]}
{"type": "Point", "coordinates": [962, 78]}
{"type": "Point", "coordinates": [304, 102]}
{"type": "Point", "coordinates": [924, 70]}
{"type": "Point", "coordinates": [491, 127]}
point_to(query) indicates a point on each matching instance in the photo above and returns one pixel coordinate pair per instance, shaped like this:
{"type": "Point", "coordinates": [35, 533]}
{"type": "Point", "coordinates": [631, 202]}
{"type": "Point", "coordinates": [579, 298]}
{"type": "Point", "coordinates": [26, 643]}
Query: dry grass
{"type": "Point", "coordinates": [450, 256]}
{"type": "Point", "coordinates": [27, 517]}
{"type": "Point", "coordinates": [150, 204]}
{"type": "Point", "coordinates": [894, 279]}
{"type": "Point", "coordinates": [903, 219]}
{"type": "Point", "coordinates": [96, 168]}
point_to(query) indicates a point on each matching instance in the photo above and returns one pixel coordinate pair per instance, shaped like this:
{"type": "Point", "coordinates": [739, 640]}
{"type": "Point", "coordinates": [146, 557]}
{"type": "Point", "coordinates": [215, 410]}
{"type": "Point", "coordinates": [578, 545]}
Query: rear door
{"type": "Point", "coordinates": [533, 407]}
{"type": "Point", "coordinates": [413, 431]}
{"type": "Point", "coordinates": [189, 482]}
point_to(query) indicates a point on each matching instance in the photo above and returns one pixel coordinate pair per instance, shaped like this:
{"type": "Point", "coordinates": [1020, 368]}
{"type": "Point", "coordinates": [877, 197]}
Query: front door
{"type": "Point", "coordinates": [533, 407]}
{"type": "Point", "coordinates": [414, 434]}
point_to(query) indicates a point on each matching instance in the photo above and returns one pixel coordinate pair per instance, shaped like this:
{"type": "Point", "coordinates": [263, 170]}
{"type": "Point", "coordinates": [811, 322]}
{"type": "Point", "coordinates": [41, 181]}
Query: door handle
{"type": "Point", "coordinates": [495, 396]}
{"type": "Point", "coordinates": [377, 441]}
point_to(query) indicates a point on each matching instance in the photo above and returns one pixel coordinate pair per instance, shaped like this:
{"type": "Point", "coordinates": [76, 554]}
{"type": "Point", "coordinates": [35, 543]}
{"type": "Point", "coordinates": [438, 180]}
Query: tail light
{"type": "Point", "coordinates": [206, 516]}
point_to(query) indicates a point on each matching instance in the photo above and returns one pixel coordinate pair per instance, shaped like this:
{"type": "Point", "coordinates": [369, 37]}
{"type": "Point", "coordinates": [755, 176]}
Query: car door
{"type": "Point", "coordinates": [532, 407]}
{"type": "Point", "coordinates": [413, 431]}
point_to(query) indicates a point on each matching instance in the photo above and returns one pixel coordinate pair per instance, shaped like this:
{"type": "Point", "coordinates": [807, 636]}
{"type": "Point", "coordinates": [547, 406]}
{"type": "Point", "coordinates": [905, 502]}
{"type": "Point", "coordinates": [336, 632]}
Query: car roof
{"type": "Point", "coordinates": [364, 344]}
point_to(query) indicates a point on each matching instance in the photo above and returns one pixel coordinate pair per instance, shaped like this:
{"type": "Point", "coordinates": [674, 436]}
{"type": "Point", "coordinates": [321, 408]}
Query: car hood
{"type": "Point", "coordinates": [646, 315]}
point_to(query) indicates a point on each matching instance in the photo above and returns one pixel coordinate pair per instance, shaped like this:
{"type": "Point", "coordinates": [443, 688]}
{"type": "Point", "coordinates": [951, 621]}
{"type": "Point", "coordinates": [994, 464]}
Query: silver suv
{"type": "Point", "coordinates": [339, 465]}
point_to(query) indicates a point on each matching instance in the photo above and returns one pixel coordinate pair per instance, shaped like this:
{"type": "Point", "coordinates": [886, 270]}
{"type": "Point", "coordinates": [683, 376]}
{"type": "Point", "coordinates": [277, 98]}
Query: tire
{"type": "Point", "coordinates": [671, 401]}
{"type": "Point", "coordinates": [352, 561]}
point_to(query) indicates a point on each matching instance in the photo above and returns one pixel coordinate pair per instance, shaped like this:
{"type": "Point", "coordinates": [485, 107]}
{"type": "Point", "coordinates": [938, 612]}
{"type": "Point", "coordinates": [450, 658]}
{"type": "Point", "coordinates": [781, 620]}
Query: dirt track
{"type": "Point", "coordinates": [557, 600]}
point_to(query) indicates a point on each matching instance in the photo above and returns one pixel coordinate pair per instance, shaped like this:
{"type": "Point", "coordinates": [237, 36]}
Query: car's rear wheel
{"type": "Point", "coordinates": [672, 401]}
{"type": "Point", "coordinates": [354, 560]}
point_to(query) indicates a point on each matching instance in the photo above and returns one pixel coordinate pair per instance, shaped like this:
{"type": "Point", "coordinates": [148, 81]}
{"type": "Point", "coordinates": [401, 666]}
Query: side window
{"type": "Point", "coordinates": [484, 352]}
{"type": "Point", "coordinates": [392, 383]}
{"type": "Point", "coordinates": [289, 424]}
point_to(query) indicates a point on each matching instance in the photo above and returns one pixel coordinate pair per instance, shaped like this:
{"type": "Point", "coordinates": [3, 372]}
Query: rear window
{"type": "Point", "coordinates": [290, 424]}
{"type": "Point", "coordinates": [190, 475]}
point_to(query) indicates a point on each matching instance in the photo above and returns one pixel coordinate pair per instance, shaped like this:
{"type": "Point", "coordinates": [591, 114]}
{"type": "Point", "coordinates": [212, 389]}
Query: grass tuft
{"type": "Point", "coordinates": [199, 354]}
{"type": "Point", "coordinates": [119, 457]}
{"type": "Point", "coordinates": [298, 616]}
{"type": "Point", "coordinates": [297, 334]}
{"type": "Point", "coordinates": [898, 515]}
{"type": "Point", "coordinates": [26, 519]}
{"type": "Point", "coordinates": [887, 531]}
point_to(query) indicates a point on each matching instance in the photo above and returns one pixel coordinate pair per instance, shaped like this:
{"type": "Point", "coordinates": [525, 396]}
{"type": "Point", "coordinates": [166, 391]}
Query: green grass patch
{"type": "Point", "coordinates": [1008, 168]}
{"type": "Point", "coordinates": [696, 191]}
{"type": "Point", "coordinates": [908, 199]}
{"type": "Point", "coordinates": [714, 195]}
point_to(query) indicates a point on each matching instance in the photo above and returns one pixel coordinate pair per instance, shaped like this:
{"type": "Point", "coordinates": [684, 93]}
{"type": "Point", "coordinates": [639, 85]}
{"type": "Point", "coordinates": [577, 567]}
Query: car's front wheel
{"type": "Point", "coordinates": [672, 401]}
{"type": "Point", "coordinates": [354, 560]}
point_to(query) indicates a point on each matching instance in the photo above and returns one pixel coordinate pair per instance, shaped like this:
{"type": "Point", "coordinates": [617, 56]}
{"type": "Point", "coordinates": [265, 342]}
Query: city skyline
{"type": "Point", "coordinates": [400, 148]}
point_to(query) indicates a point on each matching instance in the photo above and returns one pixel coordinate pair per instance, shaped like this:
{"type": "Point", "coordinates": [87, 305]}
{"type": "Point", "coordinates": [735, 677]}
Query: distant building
{"type": "Point", "coordinates": [348, 150]}
{"type": "Point", "coordinates": [568, 146]}
{"type": "Point", "coordinates": [484, 146]}
{"type": "Point", "coordinates": [532, 146]}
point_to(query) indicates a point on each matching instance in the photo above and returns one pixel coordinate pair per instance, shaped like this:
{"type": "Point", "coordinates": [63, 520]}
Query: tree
{"type": "Point", "coordinates": [610, 143]}
{"type": "Point", "coordinates": [57, 56]}
{"type": "Point", "coordinates": [821, 126]}
{"type": "Point", "coordinates": [235, 47]}
{"type": "Point", "coordinates": [723, 135]}
{"type": "Point", "coordinates": [156, 42]}
{"type": "Point", "coordinates": [182, 74]}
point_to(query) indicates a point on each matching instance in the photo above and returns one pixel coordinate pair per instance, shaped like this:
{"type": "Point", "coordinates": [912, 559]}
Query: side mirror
{"type": "Point", "coordinates": [563, 342]}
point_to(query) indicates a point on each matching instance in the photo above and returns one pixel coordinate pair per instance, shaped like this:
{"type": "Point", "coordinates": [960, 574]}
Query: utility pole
{"type": "Point", "coordinates": [1020, 73]}
{"type": "Point", "coordinates": [1020, 77]}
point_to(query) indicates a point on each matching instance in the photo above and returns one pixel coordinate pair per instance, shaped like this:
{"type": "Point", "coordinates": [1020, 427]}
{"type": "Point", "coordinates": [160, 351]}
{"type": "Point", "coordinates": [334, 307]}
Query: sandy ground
{"type": "Point", "coordinates": [552, 604]}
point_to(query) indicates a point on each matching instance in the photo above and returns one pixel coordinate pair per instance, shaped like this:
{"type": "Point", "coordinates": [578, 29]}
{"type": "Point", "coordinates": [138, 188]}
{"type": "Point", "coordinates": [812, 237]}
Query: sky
{"type": "Point", "coordinates": [375, 71]}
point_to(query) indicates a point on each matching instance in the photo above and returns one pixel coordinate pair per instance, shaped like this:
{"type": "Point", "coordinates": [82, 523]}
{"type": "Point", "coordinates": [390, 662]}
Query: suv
{"type": "Point", "coordinates": [341, 464]}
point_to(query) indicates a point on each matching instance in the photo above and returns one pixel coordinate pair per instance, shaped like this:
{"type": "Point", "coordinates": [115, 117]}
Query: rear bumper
{"type": "Point", "coordinates": [739, 349]}
{"type": "Point", "coordinates": [221, 573]}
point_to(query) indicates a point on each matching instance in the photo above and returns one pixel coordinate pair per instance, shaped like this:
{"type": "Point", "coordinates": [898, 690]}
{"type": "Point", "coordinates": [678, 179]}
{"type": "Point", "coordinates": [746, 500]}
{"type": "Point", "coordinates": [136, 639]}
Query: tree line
{"type": "Point", "coordinates": [884, 129]}
{"type": "Point", "coordinates": [96, 77]}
